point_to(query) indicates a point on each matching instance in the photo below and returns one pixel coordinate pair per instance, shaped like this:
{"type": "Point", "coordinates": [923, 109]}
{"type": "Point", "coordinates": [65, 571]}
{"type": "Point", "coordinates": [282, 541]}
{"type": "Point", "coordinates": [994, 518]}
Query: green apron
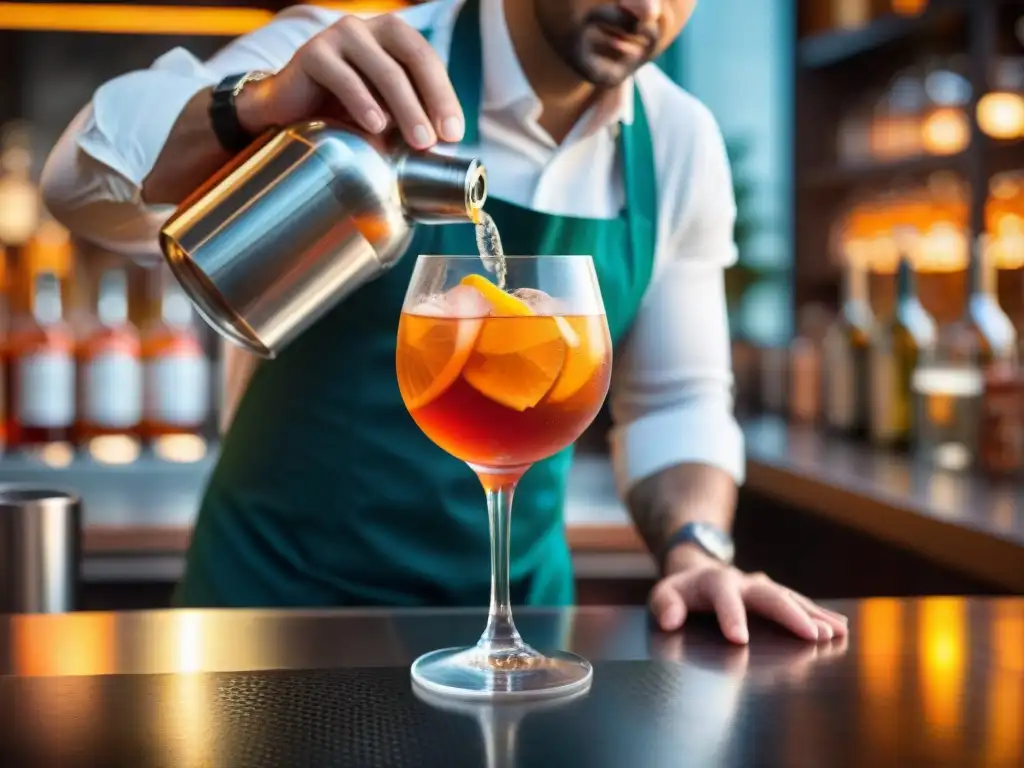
{"type": "Point", "coordinates": [326, 493]}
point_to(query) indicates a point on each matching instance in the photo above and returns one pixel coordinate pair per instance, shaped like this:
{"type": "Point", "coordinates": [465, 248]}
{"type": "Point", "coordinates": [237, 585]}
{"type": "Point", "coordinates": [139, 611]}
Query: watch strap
{"type": "Point", "coordinates": [230, 134]}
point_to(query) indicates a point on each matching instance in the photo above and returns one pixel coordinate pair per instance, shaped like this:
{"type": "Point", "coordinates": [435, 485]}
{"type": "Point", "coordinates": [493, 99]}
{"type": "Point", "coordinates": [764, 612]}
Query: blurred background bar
{"type": "Point", "coordinates": [876, 305]}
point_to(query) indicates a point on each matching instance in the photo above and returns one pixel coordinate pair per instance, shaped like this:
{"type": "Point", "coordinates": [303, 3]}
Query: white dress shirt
{"type": "Point", "coordinates": [671, 396]}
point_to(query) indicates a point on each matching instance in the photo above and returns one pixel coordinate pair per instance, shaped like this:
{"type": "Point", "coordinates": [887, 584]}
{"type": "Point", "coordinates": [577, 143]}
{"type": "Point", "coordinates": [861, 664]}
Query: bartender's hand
{"type": "Point", "coordinates": [698, 582]}
{"type": "Point", "coordinates": [375, 72]}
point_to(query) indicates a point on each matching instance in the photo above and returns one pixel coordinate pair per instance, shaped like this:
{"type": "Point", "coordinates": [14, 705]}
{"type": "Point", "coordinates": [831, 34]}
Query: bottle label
{"type": "Point", "coordinates": [884, 420]}
{"type": "Point", "coordinates": [177, 390]}
{"type": "Point", "coordinates": [113, 391]}
{"type": "Point", "coordinates": [841, 392]}
{"type": "Point", "coordinates": [46, 390]}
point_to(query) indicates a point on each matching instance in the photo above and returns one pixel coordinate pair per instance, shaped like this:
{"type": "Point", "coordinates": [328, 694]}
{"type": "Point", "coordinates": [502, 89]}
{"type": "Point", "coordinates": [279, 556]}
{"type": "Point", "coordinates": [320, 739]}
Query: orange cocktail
{"type": "Point", "coordinates": [496, 384]}
{"type": "Point", "coordinates": [501, 378]}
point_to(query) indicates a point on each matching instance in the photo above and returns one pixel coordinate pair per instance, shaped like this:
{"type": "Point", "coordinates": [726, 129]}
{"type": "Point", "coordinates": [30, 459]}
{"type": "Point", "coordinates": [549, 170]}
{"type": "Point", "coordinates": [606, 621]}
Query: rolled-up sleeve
{"type": "Point", "coordinates": [92, 180]}
{"type": "Point", "coordinates": [672, 392]}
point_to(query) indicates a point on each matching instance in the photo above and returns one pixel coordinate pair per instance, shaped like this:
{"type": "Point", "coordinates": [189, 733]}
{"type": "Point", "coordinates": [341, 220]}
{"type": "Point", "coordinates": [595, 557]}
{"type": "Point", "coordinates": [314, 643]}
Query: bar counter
{"type": "Point", "coordinates": [138, 518]}
{"type": "Point", "coordinates": [936, 682]}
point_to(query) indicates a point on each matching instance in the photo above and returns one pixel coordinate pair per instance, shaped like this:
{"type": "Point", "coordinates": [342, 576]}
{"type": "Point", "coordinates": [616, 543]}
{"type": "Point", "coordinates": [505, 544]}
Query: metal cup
{"type": "Point", "coordinates": [40, 549]}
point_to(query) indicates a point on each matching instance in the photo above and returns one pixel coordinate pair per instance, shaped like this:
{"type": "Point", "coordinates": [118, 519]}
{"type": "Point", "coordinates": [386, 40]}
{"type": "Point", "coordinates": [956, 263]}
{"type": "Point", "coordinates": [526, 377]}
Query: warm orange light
{"type": "Point", "coordinates": [909, 7]}
{"type": "Point", "coordinates": [156, 19]}
{"type": "Point", "coordinates": [943, 647]}
{"type": "Point", "coordinates": [946, 131]}
{"type": "Point", "coordinates": [1001, 115]}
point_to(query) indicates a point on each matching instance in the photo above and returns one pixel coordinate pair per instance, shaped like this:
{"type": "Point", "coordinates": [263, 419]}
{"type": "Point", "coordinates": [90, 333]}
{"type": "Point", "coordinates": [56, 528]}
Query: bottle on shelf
{"type": "Point", "coordinates": [902, 341]}
{"type": "Point", "coordinates": [5, 328]}
{"type": "Point", "coordinates": [19, 197]}
{"type": "Point", "coordinates": [110, 371]}
{"type": "Point", "coordinates": [176, 373]}
{"type": "Point", "coordinates": [804, 391]}
{"type": "Point", "coordinates": [845, 354]}
{"type": "Point", "coordinates": [41, 362]}
{"type": "Point", "coordinates": [986, 331]}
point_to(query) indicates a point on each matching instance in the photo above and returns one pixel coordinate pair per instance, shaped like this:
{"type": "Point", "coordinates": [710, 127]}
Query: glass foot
{"type": "Point", "coordinates": [472, 673]}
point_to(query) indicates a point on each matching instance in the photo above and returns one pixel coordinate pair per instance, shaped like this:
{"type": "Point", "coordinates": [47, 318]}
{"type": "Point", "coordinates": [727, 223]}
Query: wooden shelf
{"type": "Point", "coordinates": [845, 177]}
{"type": "Point", "coordinates": [1002, 156]}
{"type": "Point", "coordinates": [830, 49]}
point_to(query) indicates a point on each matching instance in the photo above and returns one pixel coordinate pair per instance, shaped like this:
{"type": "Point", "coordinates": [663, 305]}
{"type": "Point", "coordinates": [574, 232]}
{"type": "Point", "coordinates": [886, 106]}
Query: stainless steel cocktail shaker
{"type": "Point", "coordinates": [303, 218]}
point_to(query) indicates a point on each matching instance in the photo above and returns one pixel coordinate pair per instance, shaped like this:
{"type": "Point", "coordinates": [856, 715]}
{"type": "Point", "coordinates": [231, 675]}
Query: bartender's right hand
{"type": "Point", "coordinates": [379, 71]}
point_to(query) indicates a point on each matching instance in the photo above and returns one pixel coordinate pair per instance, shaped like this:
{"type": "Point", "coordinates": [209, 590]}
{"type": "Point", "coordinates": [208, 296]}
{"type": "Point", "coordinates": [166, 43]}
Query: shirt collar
{"type": "Point", "coordinates": [507, 89]}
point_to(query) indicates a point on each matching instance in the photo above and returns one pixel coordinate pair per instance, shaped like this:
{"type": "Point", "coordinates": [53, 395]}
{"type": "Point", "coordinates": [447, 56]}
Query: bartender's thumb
{"type": "Point", "coordinates": [667, 605]}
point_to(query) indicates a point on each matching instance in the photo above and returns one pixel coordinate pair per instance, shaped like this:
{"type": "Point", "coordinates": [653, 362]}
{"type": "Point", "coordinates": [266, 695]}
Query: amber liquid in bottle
{"type": "Point", "coordinates": [900, 343]}
{"type": "Point", "coordinates": [176, 371]}
{"type": "Point", "coordinates": [109, 367]}
{"type": "Point", "coordinates": [845, 358]}
{"type": "Point", "coordinates": [41, 358]}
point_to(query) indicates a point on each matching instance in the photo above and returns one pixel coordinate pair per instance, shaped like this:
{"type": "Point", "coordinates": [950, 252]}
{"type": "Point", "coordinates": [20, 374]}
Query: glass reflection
{"type": "Point", "coordinates": [880, 637]}
{"type": "Point", "coordinates": [499, 723]}
{"type": "Point", "coordinates": [942, 658]}
{"type": "Point", "coordinates": [1004, 737]}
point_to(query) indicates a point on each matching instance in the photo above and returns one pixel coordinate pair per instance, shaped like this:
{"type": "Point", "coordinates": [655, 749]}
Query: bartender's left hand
{"type": "Point", "coordinates": [697, 582]}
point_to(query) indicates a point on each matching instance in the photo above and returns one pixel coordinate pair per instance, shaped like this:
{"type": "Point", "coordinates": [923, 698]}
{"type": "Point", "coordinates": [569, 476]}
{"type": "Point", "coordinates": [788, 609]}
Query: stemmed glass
{"type": "Point", "coordinates": [501, 378]}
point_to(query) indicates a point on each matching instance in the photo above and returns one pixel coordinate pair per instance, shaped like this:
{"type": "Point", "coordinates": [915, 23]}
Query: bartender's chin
{"type": "Point", "coordinates": [608, 73]}
{"type": "Point", "coordinates": [605, 67]}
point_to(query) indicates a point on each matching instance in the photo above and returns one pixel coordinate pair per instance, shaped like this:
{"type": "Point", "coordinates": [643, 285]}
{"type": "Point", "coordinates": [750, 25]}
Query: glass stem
{"type": "Point", "coordinates": [501, 634]}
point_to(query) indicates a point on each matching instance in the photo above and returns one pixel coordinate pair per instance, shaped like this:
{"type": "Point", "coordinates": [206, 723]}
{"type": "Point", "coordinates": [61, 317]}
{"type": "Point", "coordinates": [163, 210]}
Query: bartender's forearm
{"type": "Point", "coordinates": [663, 502]}
{"type": "Point", "coordinates": [192, 153]}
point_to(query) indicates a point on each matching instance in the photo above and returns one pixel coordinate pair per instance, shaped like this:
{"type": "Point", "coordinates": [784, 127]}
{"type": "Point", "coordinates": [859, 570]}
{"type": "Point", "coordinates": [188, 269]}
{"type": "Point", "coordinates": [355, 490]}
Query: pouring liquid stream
{"type": "Point", "coordinates": [488, 243]}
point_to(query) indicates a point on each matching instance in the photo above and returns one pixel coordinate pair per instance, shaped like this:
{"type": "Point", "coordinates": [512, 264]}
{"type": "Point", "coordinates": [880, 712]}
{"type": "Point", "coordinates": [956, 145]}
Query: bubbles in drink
{"type": "Point", "coordinates": [488, 243]}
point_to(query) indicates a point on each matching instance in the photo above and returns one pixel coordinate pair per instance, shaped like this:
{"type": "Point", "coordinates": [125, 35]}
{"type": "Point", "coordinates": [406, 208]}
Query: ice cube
{"type": "Point", "coordinates": [431, 306]}
{"type": "Point", "coordinates": [539, 302]}
{"type": "Point", "coordinates": [466, 301]}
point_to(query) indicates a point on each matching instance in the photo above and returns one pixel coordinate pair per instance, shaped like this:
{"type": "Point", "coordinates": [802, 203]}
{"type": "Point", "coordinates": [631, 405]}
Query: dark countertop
{"type": "Point", "coordinates": [965, 521]}
{"type": "Point", "coordinates": [936, 682]}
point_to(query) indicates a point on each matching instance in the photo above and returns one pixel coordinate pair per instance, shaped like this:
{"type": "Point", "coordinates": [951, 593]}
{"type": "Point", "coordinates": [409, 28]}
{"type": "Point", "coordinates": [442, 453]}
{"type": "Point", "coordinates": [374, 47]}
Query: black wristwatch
{"type": "Point", "coordinates": [224, 114]}
{"type": "Point", "coordinates": [711, 539]}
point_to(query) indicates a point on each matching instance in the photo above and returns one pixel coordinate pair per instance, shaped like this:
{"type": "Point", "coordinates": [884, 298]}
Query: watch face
{"type": "Point", "coordinates": [716, 542]}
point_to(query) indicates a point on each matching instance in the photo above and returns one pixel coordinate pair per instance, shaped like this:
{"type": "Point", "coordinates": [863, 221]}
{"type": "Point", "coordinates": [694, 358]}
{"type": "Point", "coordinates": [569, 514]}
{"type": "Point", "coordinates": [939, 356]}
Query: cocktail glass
{"type": "Point", "coordinates": [502, 379]}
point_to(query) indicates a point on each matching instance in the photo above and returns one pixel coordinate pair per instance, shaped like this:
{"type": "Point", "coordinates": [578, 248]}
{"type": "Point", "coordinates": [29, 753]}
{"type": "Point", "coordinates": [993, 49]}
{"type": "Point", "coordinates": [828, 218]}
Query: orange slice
{"type": "Point", "coordinates": [581, 362]}
{"type": "Point", "coordinates": [516, 360]}
{"type": "Point", "coordinates": [504, 304]}
{"type": "Point", "coordinates": [432, 352]}
{"type": "Point", "coordinates": [507, 305]}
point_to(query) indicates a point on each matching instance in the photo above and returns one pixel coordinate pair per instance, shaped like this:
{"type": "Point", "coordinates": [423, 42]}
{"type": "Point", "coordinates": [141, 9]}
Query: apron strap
{"type": "Point", "coordinates": [640, 182]}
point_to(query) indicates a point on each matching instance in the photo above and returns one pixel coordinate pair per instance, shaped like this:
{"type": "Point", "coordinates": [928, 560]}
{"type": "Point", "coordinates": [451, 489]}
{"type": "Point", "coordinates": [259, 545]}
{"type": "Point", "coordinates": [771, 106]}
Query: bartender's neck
{"type": "Point", "coordinates": [563, 93]}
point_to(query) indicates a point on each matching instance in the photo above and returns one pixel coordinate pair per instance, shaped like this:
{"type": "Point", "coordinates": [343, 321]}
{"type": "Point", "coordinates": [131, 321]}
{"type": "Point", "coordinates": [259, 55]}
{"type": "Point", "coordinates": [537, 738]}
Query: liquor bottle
{"type": "Point", "coordinates": [994, 337]}
{"type": "Point", "coordinates": [845, 357]}
{"type": "Point", "coordinates": [5, 328]}
{"type": "Point", "coordinates": [176, 370]}
{"type": "Point", "coordinates": [110, 371]}
{"type": "Point", "coordinates": [902, 341]}
{"type": "Point", "coordinates": [41, 353]}
{"type": "Point", "coordinates": [19, 197]}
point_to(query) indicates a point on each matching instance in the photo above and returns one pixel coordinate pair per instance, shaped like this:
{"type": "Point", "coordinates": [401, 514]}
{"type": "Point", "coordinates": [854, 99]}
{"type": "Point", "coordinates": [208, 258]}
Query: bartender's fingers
{"type": "Point", "coordinates": [358, 45]}
{"type": "Point", "coordinates": [667, 604]}
{"type": "Point", "coordinates": [773, 601]}
{"type": "Point", "coordinates": [838, 623]}
{"type": "Point", "coordinates": [323, 64]}
{"type": "Point", "coordinates": [429, 74]}
{"type": "Point", "coordinates": [722, 586]}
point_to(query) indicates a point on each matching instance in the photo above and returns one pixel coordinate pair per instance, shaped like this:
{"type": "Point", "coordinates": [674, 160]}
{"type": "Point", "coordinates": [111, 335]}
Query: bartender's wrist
{"type": "Point", "coordinates": [686, 556]}
{"type": "Point", "coordinates": [252, 107]}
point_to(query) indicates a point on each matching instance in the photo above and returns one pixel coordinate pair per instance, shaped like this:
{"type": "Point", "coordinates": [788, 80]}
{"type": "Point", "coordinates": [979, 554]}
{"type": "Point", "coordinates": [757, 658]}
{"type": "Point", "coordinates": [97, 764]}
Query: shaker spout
{"type": "Point", "coordinates": [440, 189]}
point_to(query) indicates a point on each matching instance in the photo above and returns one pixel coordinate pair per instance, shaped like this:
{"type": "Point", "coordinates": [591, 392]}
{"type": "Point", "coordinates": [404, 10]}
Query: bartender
{"type": "Point", "coordinates": [326, 493]}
